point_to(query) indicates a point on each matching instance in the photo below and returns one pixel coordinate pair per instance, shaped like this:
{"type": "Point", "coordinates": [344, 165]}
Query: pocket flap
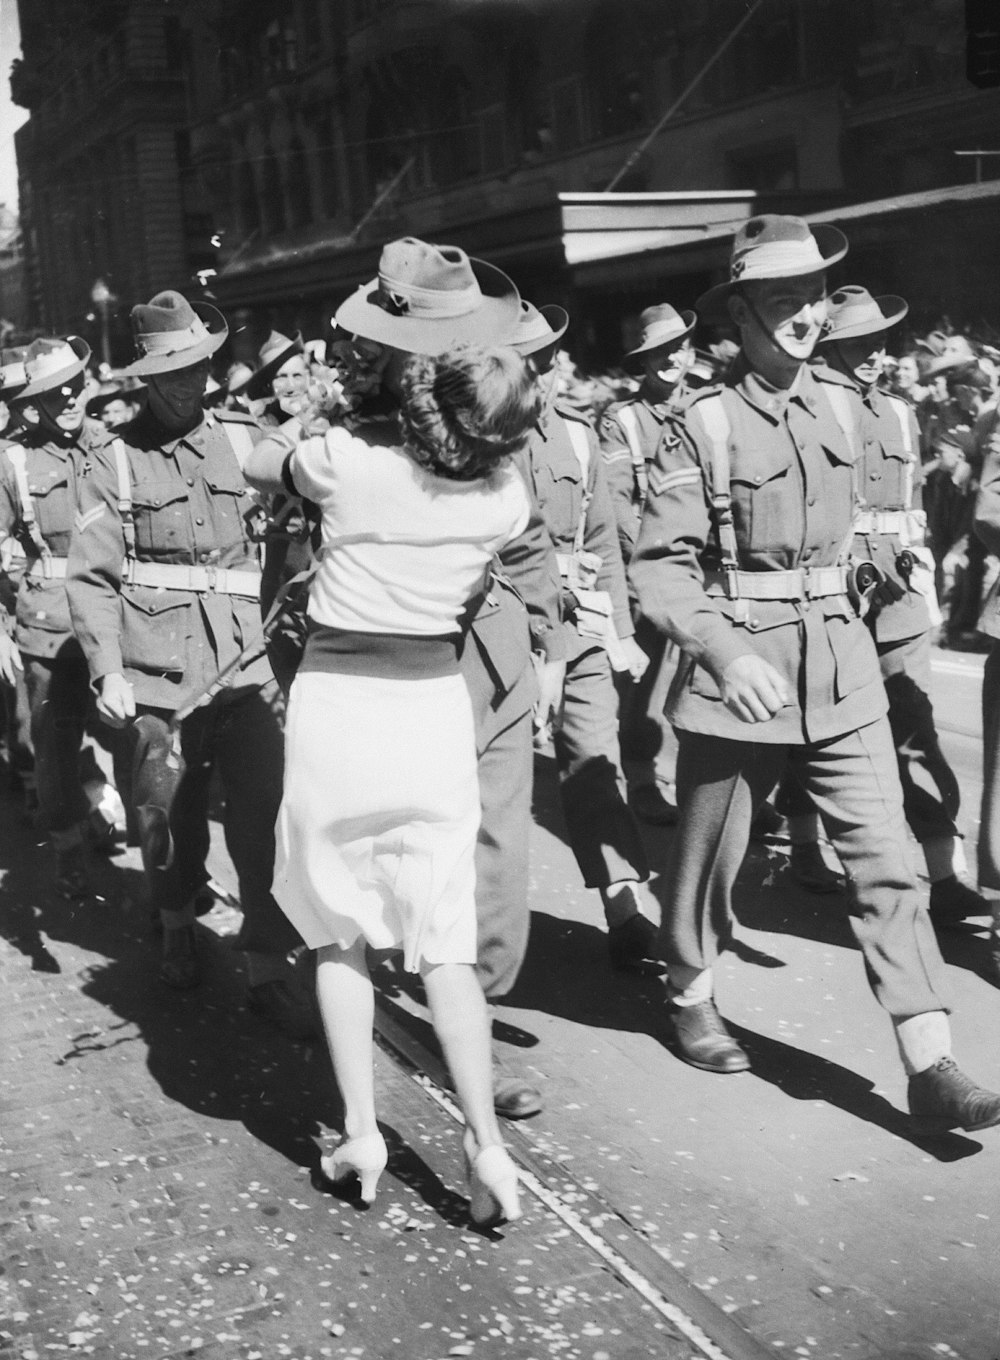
{"type": "Point", "coordinates": [757, 464]}
{"type": "Point", "coordinates": [155, 495]}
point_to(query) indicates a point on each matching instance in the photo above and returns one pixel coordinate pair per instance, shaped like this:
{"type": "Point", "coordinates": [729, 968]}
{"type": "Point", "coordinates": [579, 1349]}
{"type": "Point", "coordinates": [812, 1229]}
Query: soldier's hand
{"type": "Point", "coordinates": [636, 659]}
{"type": "Point", "coordinates": [752, 689]}
{"type": "Point", "coordinates": [10, 660]}
{"type": "Point", "coordinates": [116, 702]}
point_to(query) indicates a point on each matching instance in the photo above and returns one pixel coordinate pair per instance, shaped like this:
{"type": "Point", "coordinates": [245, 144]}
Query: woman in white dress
{"type": "Point", "coordinates": [377, 828]}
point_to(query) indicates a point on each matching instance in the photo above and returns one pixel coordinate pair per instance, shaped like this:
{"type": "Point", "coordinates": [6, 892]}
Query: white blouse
{"type": "Point", "coordinates": [403, 550]}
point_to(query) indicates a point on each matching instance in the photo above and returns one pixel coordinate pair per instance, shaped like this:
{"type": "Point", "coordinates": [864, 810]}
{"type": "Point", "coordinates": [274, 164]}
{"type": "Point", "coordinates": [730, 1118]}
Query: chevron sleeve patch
{"type": "Point", "coordinates": [82, 521]}
{"type": "Point", "coordinates": [660, 481]}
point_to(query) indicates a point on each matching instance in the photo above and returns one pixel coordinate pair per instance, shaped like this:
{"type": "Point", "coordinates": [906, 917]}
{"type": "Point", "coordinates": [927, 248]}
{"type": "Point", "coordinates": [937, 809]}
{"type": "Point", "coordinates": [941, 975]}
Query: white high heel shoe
{"type": "Point", "coordinates": [493, 1197]}
{"type": "Point", "coordinates": [364, 1157]}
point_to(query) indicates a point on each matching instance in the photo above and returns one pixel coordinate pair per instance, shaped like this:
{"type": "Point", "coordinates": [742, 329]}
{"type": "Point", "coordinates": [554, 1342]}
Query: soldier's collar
{"type": "Point", "coordinates": [771, 400]}
{"type": "Point", "coordinates": [193, 438]}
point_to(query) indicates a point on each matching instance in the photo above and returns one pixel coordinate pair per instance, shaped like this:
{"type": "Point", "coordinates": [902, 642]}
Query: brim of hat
{"type": "Point", "coordinates": [218, 332]}
{"type": "Point", "coordinates": [558, 319]}
{"type": "Point", "coordinates": [14, 390]}
{"type": "Point", "coordinates": [893, 310]}
{"type": "Point", "coordinates": [690, 320]}
{"type": "Point", "coordinates": [59, 378]}
{"type": "Point", "coordinates": [832, 245]}
{"type": "Point", "coordinates": [946, 362]}
{"type": "Point", "coordinates": [258, 385]}
{"type": "Point", "coordinates": [495, 321]}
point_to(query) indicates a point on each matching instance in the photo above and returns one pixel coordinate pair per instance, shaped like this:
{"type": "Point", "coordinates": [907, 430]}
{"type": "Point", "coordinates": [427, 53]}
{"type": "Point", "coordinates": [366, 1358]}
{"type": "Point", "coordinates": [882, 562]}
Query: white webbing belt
{"type": "Point", "coordinates": [882, 522]}
{"type": "Point", "coordinates": [48, 568]}
{"type": "Point", "coordinates": [198, 579]}
{"type": "Point", "coordinates": [802, 583]}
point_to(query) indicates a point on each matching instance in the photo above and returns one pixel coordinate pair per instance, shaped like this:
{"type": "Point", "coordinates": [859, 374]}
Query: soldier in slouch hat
{"type": "Point", "coordinates": [742, 559]}
{"type": "Point", "coordinates": [164, 589]}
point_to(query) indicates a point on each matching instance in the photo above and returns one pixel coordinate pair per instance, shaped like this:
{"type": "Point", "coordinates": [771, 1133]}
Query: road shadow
{"type": "Point", "coordinates": [801, 1075]}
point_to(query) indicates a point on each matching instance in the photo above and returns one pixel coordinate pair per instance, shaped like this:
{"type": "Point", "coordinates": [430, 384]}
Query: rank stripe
{"type": "Point", "coordinates": [84, 521]}
{"type": "Point", "coordinates": [659, 482]}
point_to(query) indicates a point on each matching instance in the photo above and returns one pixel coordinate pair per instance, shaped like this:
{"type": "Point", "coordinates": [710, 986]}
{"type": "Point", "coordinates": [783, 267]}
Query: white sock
{"type": "Point", "coordinates": [689, 986]}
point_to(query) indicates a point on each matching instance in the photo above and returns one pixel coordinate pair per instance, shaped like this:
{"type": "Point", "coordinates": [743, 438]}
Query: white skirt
{"type": "Point", "coordinates": [376, 834]}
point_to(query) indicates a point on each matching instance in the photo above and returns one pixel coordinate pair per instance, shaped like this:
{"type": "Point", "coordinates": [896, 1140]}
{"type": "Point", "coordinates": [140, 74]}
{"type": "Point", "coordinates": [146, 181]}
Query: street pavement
{"type": "Point", "coordinates": [160, 1150]}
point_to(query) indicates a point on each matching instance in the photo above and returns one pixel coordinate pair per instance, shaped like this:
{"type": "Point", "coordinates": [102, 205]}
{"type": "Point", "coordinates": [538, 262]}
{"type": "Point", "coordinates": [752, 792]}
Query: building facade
{"type": "Point", "coordinates": [279, 142]}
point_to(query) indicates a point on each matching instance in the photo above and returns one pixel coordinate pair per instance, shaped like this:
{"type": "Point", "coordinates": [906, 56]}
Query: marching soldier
{"type": "Point", "coordinates": [889, 530]}
{"type": "Point", "coordinates": [563, 468]}
{"type": "Point", "coordinates": [164, 588]}
{"type": "Point", "coordinates": [40, 467]}
{"type": "Point", "coordinates": [740, 560]}
{"type": "Point", "coordinates": [629, 433]}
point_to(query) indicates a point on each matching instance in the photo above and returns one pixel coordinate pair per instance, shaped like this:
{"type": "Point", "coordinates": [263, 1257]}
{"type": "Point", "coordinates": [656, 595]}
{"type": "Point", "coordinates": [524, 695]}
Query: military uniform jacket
{"type": "Point", "coordinates": [890, 477]}
{"type": "Point", "coordinates": [53, 467]}
{"type": "Point", "coordinates": [619, 468]}
{"type": "Point", "coordinates": [555, 478]}
{"type": "Point", "coordinates": [518, 614]}
{"type": "Point", "coordinates": [792, 487]}
{"type": "Point", "coordinates": [190, 503]}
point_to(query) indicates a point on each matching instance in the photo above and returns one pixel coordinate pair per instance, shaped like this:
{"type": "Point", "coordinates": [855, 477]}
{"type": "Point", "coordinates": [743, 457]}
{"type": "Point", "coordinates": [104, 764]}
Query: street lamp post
{"type": "Point", "coordinates": [102, 297]}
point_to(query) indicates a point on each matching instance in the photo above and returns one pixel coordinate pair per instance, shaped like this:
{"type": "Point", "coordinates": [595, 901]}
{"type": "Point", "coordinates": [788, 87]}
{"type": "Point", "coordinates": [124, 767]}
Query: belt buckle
{"type": "Point", "coordinates": [211, 576]}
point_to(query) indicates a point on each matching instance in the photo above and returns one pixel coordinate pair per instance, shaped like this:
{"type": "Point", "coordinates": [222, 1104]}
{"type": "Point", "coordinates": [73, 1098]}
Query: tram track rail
{"type": "Point", "coordinates": [604, 1227]}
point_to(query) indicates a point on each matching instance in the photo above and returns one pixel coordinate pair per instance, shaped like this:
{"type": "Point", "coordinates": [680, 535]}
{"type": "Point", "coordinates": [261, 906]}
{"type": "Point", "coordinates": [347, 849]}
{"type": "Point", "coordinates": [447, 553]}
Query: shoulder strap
{"type": "Point", "coordinates": [630, 425]}
{"type": "Point", "coordinates": [902, 413]}
{"type": "Point", "coordinates": [581, 447]}
{"type": "Point", "coordinates": [19, 462]}
{"type": "Point", "coordinates": [124, 476]}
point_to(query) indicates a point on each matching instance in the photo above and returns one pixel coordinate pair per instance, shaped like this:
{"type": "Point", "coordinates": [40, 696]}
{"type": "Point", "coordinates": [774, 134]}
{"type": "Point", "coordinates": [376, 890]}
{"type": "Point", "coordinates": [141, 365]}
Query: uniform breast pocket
{"type": "Point", "coordinates": [51, 498]}
{"type": "Point", "coordinates": [155, 628]}
{"type": "Point", "coordinates": [560, 495]}
{"type": "Point", "coordinates": [160, 509]}
{"type": "Point", "coordinates": [231, 501]}
{"type": "Point", "coordinates": [762, 497]}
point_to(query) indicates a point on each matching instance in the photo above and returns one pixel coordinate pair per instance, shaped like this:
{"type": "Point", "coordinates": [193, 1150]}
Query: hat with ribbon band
{"type": "Point", "coordinates": [773, 246]}
{"type": "Point", "coordinates": [539, 328]}
{"type": "Point", "coordinates": [50, 363]}
{"type": "Point", "coordinates": [172, 333]}
{"type": "Point", "coordinates": [427, 298]}
{"type": "Point", "coordinates": [13, 376]}
{"type": "Point", "coordinates": [663, 328]}
{"type": "Point", "coordinates": [276, 351]}
{"type": "Point", "coordinates": [852, 311]}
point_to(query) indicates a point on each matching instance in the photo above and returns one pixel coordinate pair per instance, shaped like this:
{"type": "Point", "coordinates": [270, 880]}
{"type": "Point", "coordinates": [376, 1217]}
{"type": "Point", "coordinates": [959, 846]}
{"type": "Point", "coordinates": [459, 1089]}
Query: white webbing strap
{"type": "Point", "coordinates": [239, 440]}
{"type": "Point", "coordinates": [123, 476]}
{"type": "Point", "coordinates": [717, 427]}
{"type": "Point", "coordinates": [902, 413]}
{"type": "Point", "coordinates": [840, 404]}
{"type": "Point", "coordinates": [19, 462]}
{"type": "Point", "coordinates": [581, 447]}
{"type": "Point", "coordinates": [630, 425]}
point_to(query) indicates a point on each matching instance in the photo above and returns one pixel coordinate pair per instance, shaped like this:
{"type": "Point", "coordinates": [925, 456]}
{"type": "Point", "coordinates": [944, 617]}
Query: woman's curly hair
{"type": "Point", "coordinates": [466, 410]}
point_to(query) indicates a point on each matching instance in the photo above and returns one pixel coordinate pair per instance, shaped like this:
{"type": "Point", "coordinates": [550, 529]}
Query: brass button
{"type": "Point", "coordinates": [811, 500]}
{"type": "Point", "coordinates": [190, 481]}
{"type": "Point", "coordinates": [199, 521]}
{"type": "Point", "coordinates": [757, 479]}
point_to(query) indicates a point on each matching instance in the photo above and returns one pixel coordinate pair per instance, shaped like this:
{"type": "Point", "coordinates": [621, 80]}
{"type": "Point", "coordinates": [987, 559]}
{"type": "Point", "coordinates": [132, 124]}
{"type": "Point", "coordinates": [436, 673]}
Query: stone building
{"type": "Point", "coordinates": [279, 142]}
{"type": "Point", "coordinates": [101, 162]}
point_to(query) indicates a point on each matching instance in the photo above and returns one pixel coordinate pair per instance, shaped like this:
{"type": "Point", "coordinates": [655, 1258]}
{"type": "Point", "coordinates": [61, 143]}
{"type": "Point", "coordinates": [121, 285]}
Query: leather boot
{"type": "Point", "coordinates": [810, 870]}
{"type": "Point", "coordinates": [953, 899]}
{"type": "Point", "coordinates": [703, 1040]}
{"type": "Point", "coordinates": [942, 1097]}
